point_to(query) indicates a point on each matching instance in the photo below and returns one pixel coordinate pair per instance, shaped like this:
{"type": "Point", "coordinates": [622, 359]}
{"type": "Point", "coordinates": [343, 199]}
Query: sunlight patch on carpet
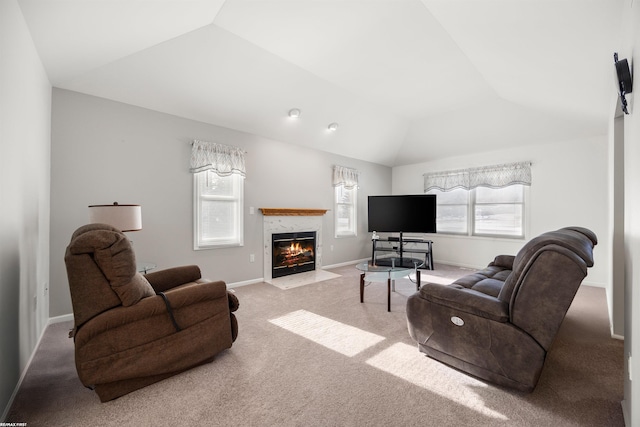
{"type": "Point", "coordinates": [406, 362]}
{"type": "Point", "coordinates": [429, 278]}
{"type": "Point", "coordinates": [336, 336]}
{"type": "Point", "coordinates": [301, 279]}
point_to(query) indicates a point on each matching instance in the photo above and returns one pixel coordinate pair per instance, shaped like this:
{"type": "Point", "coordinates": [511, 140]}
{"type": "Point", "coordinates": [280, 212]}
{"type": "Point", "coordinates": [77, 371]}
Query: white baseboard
{"type": "Point", "coordinates": [245, 283]}
{"type": "Point", "coordinates": [59, 319]}
{"type": "Point", "coordinates": [459, 265]}
{"type": "Point", "coordinates": [23, 374]}
{"type": "Point", "coordinates": [625, 413]}
{"type": "Point", "coordinates": [342, 264]}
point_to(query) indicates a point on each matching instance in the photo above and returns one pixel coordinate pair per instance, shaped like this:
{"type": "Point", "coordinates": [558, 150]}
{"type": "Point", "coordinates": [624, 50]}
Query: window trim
{"type": "Point", "coordinates": [238, 196]}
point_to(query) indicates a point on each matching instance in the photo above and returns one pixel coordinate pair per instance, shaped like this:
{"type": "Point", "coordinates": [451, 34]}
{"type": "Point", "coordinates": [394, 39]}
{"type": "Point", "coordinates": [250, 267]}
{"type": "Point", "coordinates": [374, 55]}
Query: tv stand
{"type": "Point", "coordinates": [398, 244]}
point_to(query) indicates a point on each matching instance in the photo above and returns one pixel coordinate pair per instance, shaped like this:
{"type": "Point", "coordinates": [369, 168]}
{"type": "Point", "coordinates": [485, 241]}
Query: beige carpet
{"type": "Point", "coordinates": [315, 356]}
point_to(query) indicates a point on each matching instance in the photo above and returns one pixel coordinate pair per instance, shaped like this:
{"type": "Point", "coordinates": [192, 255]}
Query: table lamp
{"type": "Point", "coordinates": [122, 217]}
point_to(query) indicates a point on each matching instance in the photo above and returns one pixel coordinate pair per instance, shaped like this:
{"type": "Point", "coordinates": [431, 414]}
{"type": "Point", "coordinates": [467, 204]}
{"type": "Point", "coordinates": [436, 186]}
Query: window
{"type": "Point", "coordinates": [484, 211]}
{"type": "Point", "coordinates": [218, 210]}
{"type": "Point", "coordinates": [487, 201]}
{"type": "Point", "coordinates": [452, 209]}
{"type": "Point", "coordinates": [345, 209]}
{"type": "Point", "coordinates": [345, 183]}
{"type": "Point", "coordinates": [499, 211]}
{"type": "Point", "coordinates": [218, 183]}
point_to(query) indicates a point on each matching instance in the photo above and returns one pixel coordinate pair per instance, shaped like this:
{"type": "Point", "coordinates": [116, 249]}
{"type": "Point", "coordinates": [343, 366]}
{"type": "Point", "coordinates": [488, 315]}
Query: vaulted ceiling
{"type": "Point", "coordinates": [407, 80]}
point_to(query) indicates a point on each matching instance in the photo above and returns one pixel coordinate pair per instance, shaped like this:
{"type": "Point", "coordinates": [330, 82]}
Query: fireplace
{"type": "Point", "coordinates": [293, 253]}
{"type": "Point", "coordinates": [291, 220]}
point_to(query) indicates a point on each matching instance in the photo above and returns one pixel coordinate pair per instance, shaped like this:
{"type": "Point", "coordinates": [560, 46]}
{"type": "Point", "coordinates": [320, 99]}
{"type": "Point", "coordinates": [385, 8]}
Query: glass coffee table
{"type": "Point", "coordinates": [382, 273]}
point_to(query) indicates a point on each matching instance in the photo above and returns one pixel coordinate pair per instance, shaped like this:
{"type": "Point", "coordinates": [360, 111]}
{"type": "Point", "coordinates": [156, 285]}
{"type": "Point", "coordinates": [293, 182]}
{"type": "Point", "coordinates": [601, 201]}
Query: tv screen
{"type": "Point", "coordinates": [414, 213]}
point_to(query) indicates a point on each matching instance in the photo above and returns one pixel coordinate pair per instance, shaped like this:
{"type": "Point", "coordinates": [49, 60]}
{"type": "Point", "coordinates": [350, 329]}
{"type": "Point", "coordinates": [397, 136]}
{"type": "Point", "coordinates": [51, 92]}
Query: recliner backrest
{"type": "Point", "coordinates": [577, 239]}
{"type": "Point", "coordinates": [91, 293]}
{"type": "Point", "coordinates": [546, 274]}
{"type": "Point", "coordinates": [100, 264]}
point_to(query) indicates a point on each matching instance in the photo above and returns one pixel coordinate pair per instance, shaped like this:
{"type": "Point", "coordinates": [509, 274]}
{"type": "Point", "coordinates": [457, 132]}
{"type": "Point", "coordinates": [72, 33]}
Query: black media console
{"type": "Point", "coordinates": [403, 246]}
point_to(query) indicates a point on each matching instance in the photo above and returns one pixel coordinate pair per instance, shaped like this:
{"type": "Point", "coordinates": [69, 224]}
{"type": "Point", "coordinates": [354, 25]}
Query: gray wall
{"type": "Point", "coordinates": [616, 222]}
{"type": "Point", "coordinates": [25, 112]}
{"type": "Point", "coordinates": [104, 151]}
{"type": "Point", "coordinates": [632, 225]}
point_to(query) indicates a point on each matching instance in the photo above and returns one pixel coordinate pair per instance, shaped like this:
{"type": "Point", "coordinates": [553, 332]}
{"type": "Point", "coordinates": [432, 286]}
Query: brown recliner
{"type": "Point", "coordinates": [499, 323]}
{"type": "Point", "coordinates": [132, 330]}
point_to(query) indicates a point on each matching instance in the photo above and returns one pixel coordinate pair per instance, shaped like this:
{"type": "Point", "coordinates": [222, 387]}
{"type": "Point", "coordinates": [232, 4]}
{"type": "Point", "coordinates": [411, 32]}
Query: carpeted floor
{"type": "Point", "coordinates": [315, 356]}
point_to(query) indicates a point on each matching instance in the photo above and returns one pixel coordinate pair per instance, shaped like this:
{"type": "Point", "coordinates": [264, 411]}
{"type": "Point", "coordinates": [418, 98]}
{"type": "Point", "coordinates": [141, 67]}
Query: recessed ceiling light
{"type": "Point", "coordinates": [332, 126]}
{"type": "Point", "coordinates": [294, 113]}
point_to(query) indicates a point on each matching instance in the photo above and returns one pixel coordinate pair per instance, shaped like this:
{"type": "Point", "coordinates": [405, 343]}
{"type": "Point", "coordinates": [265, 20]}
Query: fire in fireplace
{"type": "Point", "coordinates": [293, 253]}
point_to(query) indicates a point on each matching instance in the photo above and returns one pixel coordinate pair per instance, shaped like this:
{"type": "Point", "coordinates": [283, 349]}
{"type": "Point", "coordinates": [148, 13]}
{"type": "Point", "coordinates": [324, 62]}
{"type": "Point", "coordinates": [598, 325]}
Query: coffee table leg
{"type": "Point", "coordinates": [389, 294]}
{"type": "Point", "coordinates": [362, 287]}
{"type": "Point", "coordinates": [417, 279]}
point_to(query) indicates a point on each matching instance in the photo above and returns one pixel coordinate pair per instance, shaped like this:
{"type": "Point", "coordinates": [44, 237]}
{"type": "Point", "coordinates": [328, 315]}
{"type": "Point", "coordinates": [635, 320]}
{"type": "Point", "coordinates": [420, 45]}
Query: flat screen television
{"type": "Point", "coordinates": [414, 213]}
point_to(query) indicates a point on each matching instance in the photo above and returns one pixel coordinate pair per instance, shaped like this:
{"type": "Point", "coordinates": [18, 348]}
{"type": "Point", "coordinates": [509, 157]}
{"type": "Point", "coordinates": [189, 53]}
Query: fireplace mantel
{"type": "Point", "coordinates": [292, 212]}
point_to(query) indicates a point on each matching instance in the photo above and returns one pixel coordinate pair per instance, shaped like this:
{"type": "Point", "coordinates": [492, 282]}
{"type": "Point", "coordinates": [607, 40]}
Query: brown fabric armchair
{"type": "Point", "coordinates": [499, 323]}
{"type": "Point", "coordinates": [132, 330]}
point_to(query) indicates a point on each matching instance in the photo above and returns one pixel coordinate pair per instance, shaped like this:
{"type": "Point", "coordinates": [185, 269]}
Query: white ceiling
{"type": "Point", "coordinates": [407, 80]}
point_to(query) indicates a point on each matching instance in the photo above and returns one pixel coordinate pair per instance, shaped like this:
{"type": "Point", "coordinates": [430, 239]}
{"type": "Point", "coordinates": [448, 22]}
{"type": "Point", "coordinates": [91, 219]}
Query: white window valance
{"type": "Point", "coordinates": [446, 181]}
{"type": "Point", "coordinates": [344, 176]}
{"type": "Point", "coordinates": [224, 160]}
{"type": "Point", "coordinates": [496, 176]}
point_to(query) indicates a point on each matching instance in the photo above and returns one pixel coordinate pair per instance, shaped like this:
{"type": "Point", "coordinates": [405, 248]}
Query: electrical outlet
{"type": "Point", "coordinates": [331, 248]}
{"type": "Point", "coordinates": [252, 258]}
{"type": "Point", "coordinates": [35, 301]}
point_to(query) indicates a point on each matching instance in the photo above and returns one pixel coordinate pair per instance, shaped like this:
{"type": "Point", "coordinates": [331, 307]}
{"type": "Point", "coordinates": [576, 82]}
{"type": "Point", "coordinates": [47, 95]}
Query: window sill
{"type": "Point", "coordinates": [220, 246]}
{"type": "Point", "coordinates": [343, 236]}
{"type": "Point", "coordinates": [484, 237]}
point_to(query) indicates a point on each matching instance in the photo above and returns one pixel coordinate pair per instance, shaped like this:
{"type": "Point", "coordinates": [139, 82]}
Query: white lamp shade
{"type": "Point", "coordinates": [122, 217]}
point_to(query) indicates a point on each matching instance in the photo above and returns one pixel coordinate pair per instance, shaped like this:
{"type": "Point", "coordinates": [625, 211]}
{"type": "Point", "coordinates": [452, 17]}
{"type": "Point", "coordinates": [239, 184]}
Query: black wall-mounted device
{"type": "Point", "coordinates": [624, 80]}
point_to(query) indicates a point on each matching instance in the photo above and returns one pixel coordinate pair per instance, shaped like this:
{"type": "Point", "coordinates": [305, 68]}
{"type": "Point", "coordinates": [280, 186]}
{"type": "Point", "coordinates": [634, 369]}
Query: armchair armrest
{"type": "Point", "coordinates": [196, 292]}
{"type": "Point", "coordinates": [467, 300]}
{"type": "Point", "coordinates": [505, 261]}
{"type": "Point", "coordinates": [171, 277]}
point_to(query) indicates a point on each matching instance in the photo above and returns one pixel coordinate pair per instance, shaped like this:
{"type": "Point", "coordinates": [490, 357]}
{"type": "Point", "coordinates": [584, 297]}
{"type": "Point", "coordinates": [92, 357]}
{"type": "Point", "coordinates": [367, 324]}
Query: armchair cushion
{"type": "Point", "coordinates": [133, 291]}
{"type": "Point", "coordinates": [488, 281]}
{"type": "Point", "coordinates": [466, 300]}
